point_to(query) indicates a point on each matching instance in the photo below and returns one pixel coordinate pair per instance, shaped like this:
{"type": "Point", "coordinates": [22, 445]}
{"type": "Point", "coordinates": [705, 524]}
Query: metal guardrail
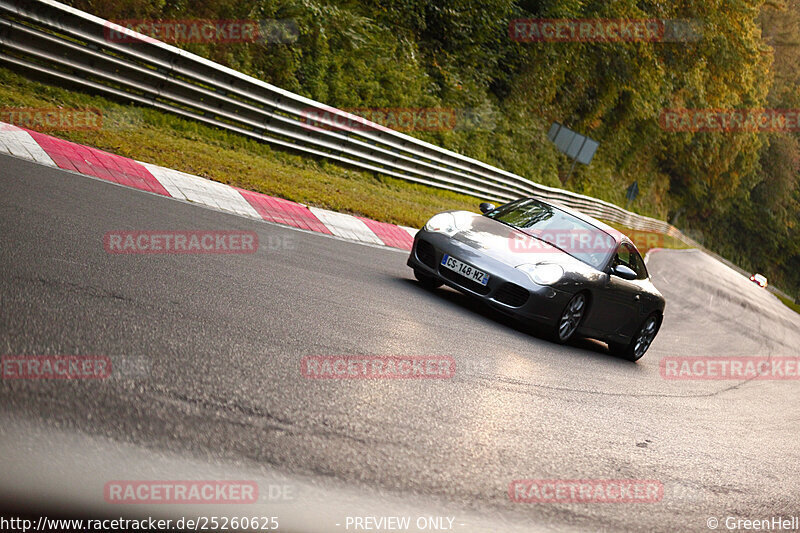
{"type": "Point", "coordinates": [47, 38]}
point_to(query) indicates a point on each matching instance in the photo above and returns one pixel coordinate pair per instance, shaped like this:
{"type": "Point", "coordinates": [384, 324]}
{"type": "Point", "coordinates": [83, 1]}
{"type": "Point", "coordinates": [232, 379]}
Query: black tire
{"type": "Point", "coordinates": [571, 318]}
{"type": "Point", "coordinates": [427, 281]}
{"type": "Point", "coordinates": [635, 350]}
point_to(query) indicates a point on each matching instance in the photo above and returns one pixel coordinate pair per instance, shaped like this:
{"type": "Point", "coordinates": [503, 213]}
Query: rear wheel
{"type": "Point", "coordinates": [634, 350]}
{"type": "Point", "coordinates": [427, 281]}
{"type": "Point", "coordinates": [571, 318]}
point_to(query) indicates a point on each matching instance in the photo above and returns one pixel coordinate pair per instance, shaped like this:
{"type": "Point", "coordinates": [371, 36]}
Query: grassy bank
{"type": "Point", "coordinates": [790, 304]}
{"type": "Point", "coordinates": [162, 139]}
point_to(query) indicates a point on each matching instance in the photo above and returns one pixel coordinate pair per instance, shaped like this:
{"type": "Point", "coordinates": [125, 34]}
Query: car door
{"type": "Point", "coordinates": [618, 302]}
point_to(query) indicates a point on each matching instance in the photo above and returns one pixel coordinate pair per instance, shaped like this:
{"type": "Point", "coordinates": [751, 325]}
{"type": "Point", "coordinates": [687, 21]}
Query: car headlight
{"type": "Point", "coordinates": [543, 273]}
{"type": "Point", "coordinates": [443, 223]}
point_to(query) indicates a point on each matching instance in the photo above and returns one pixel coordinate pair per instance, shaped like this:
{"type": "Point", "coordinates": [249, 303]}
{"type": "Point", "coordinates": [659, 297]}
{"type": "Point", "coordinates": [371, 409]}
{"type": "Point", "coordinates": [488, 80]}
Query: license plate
{"type": "Point", "coordinates": [465, 270]}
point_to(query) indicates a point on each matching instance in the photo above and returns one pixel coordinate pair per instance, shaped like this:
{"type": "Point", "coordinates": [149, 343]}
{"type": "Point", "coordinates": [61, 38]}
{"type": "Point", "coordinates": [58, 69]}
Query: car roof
{"type": "Point", "coordinates": [615, 233]}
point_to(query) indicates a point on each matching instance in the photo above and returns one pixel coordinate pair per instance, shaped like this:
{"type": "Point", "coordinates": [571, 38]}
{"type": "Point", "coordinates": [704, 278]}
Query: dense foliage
{"type": "Point", "coordinates": [738, 190]}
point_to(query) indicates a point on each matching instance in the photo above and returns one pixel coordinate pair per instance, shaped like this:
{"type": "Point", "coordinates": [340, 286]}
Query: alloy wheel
{"type": "Point", "coordinates": [571, 317]}
{"type": "Point", "coordinates": [645, 337]}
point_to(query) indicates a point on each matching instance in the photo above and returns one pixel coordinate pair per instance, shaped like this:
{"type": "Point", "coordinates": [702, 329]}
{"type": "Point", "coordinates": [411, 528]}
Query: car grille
{"type": "Point", "coordinates": [465, 282]}
{"type": "Point", "coordinates": [512, 295]}
{"type": "Point", "coordinates": [426, 253]}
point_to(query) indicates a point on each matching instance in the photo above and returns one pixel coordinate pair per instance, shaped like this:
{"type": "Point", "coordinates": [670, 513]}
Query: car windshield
{"type": "Point", "coordinates": [547, 223]}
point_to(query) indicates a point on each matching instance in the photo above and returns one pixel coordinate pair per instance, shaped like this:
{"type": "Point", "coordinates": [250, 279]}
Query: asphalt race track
{"type": "Point", "coordinates": [208, 347]}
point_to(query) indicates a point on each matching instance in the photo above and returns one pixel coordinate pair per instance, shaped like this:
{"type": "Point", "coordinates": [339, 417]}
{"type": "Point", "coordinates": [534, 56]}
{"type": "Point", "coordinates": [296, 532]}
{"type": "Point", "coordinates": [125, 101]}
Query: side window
{"type": "Point", "coordinates": [638, 265]}
{"type": "Point", "coordinates": [623, 256]}
{"type": "Point", "coordinates": [628, 256]}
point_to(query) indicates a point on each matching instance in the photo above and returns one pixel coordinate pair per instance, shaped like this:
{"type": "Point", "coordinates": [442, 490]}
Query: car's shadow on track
{"type": "Point", "coordinates": [448, 294]}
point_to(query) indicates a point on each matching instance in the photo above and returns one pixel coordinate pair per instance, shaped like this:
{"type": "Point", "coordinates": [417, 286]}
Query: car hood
{"type": "Point", "coordinates": [512, 246]}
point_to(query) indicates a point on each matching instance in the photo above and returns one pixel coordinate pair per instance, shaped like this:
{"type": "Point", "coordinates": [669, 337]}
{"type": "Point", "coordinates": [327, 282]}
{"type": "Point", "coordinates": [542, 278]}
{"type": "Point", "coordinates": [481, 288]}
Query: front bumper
{"type": "Point", "coordinates": [509, 290]}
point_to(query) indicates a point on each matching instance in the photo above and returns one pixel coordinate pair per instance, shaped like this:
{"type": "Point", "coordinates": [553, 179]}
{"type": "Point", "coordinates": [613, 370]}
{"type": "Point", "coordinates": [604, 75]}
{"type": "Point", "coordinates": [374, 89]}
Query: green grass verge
{"type": "Point", "coordinates": [790, 304]}
{"type": "Point", "coordinates": [163, 139]}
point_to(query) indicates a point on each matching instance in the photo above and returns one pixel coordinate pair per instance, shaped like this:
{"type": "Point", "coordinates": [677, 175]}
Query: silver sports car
{"type": "Point", "coordinates": [548, 265]}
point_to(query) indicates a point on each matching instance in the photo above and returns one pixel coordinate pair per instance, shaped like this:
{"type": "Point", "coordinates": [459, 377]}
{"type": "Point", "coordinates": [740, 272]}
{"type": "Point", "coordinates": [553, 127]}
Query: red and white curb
{"type": "Point", "coordinates": [67, 155]}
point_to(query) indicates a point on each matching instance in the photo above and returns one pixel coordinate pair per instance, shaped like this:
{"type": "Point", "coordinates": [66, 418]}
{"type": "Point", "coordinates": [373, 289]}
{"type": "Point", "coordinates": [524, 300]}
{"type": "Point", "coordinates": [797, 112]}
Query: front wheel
{"type": "Point", "coordinates": [570, 318]}
{"type": "Point", "coordinates": [429, 282]}
{"type": "Point", "coordinates": [634, 350]}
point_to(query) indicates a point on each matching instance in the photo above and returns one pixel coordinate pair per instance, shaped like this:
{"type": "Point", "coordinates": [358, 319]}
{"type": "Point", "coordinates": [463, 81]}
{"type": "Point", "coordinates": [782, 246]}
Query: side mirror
{"type": "Point", "coordinates": [485, 207]}
{"type": "Point", "coordinates": [624, 272]}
